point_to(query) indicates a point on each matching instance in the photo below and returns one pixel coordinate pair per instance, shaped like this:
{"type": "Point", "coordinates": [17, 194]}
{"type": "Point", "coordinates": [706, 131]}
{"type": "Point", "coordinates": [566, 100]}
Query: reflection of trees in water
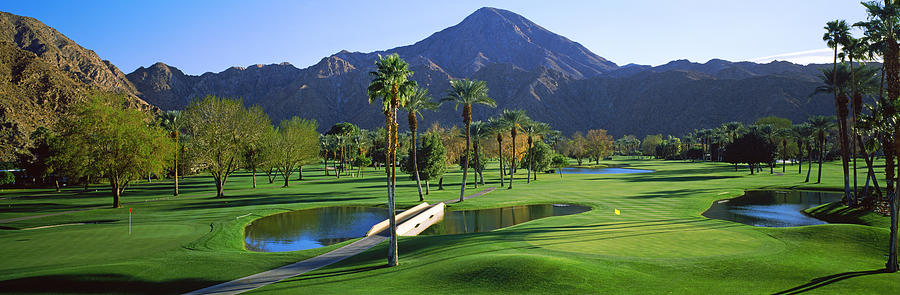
{"type": "Point", "coordinates": [484, 220]}
{"type": "Point", "coordinates": [327, 225]}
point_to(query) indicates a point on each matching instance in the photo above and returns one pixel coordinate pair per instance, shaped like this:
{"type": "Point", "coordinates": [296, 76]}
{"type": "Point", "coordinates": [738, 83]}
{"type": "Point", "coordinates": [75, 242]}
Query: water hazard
{"type": "Point", "coordinates": [312, 228]}
{"type": "Point", "coordinates": [770, 208]}
{"type": "Point", "coordinates": [483, 220]}
{"type": "Point", "coordinates": [602, 171]}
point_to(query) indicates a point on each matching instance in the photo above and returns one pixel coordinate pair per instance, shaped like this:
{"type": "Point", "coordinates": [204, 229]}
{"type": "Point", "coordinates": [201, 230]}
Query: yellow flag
{"type": "Point", "coordinates": [617, 212]}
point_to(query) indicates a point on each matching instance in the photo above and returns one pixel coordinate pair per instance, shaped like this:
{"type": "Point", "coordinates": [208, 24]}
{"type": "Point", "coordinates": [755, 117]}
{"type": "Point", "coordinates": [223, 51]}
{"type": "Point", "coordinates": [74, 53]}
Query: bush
{"type": "Point", "coordinates": [7, 177]}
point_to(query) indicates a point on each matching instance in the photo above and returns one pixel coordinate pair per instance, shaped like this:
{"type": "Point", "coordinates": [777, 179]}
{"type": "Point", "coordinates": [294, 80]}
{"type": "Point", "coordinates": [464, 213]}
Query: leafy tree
{"type": "Point", "coordinates": [578, 147]}
{"type": "Point", "coordinates": [417, 102]}
{"type": "Point", "coordinates": [298, 145]}
{"type": "Point", "coordinates": [120, 142]}
{"type": "Point", "coordinates": [7, 177]}
{"type": "Point", "coordinates": [534, 129]}
{"type": "Point", "coordinates": [215, 126]}
{"type": "Point", "coordinates": [432, 163]}
{"type": "Point", "coordinates": [36, 162]}
{"type": "Point", "coordinates": [598, 144]}
{"type": "Point", "coordinates": [648, 145]}
{"type": "Point", "coordinates": [540, 154]}
{"type": "Point", "coordinates": [467, 92]}
{"type": "Point", "coordinates": [751, 148]}
{"type": "Point", "coordinates": [559, 162]}
{"type": "Point", "coordinates": [392, 86]}
{"type": "Point", "coordinates": [256, 127]}
{"type": "Point", "coordinates": [628, 145]}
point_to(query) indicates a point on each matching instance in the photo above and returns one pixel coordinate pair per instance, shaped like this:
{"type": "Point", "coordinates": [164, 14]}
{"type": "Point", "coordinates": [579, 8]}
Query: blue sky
{"type": "Point", "coordinates": [204, 36]}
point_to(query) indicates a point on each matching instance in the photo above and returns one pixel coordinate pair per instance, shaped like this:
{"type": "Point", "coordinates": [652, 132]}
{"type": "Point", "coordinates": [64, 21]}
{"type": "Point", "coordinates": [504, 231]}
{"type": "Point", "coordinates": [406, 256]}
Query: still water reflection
{"type": "Point", "coordinates": [771, 208]}
{"type": "Point", "coordinates": [312, 228]}
{"type": "Point", "coordinates": [483, 220]}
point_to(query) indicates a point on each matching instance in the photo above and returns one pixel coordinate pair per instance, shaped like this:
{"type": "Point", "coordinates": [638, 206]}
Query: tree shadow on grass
{"type": "Point", "coordinates": [98, 284]}
{"type": "Point", "coordinates": [681, 193]}
{"type": "Point", "coordinates": [679, 178]}
{"type": "Point", "coordinates": [827, 280]}
{"type": "Point", "coordinates": [255, 200]}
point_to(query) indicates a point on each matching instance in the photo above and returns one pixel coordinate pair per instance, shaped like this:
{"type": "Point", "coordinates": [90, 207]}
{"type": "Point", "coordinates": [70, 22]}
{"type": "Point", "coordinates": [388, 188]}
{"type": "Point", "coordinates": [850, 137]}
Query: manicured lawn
{"type": "Point", "coordinates": [659, 244]}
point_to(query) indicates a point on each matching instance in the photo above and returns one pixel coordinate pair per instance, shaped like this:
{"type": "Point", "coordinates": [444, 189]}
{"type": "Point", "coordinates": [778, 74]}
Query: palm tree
{"type": "Point", "coordinates": [392, 86]}
{"type": "Point", "coordinates": [417, 102]}
{"type": "Point", "coordinates": [497, 126]}
{"type": "Point", "coordinates": [169, 121]}
{"type": "Point", "coordinates": [479, 130]}
{"type": "Point", "coordinates": [821, 125]}
{"type": "Point", "coordinates": [467, 92]}
{"type": "Point", "coordinates": [784, 134]}
{"type": "Point", "coordinates": [801, 133]}
{"type": "Point", "coordinates": [514, 121]}
{"type": "Point", "coordinates": [885, 20]}
{"type": "Point", "coordinates": [837, 33]}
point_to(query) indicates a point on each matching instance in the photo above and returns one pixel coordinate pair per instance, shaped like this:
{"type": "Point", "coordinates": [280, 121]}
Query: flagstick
{"type": "Point", "coordinates": [129, 221]}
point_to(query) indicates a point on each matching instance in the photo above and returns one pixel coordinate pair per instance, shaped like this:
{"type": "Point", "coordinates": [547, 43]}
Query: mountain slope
{"type": "Point", "coordinates": [554, 79]}
{"type": "Point", "coordinates": [42, 72]}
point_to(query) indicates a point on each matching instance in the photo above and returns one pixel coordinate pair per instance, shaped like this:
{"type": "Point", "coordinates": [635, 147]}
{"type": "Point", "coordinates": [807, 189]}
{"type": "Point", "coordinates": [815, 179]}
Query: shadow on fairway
{"type": "Point", "coordinates": [670, 194]}
{"type": "Point", "coordinates": [827, 280]}
{"type": "Point", "coordinates": [679, 178]}
{"type": "Point", "coordinates": [98, 284]}
{"type": "Point", "coordinates": [265, 199]}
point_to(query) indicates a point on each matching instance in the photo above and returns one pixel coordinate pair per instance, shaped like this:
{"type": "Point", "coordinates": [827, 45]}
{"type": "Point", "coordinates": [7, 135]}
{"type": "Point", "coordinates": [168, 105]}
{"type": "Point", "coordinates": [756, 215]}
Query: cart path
{"type": "Point", "coordinates": [272, 276]}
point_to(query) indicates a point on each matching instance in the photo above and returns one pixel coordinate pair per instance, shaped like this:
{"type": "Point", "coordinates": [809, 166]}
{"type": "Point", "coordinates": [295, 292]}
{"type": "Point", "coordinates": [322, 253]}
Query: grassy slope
{"type": "Point", "coordinates": [659, 244]}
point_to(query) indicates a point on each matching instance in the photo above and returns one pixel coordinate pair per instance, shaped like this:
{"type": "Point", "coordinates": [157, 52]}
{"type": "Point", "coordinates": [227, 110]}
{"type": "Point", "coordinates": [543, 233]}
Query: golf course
{"type": "Point", "coordinates": [659, 243]}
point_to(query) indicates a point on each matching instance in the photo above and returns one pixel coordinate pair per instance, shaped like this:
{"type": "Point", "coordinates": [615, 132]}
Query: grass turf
{"type": "Point", "coordinates": [659, 244]}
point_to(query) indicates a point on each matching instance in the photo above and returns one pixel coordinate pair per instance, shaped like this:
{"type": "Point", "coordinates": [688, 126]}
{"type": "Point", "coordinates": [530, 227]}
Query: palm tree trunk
{"type": "Point", "coordinates": [413, 126]}
{"type": "Point", "coordinates": [530, 157]}
{"type": "Point", "coordinates": [513, 165]}
{"type": "Point", "coordinates": [467, 118]}
{"type": "Point", "coordinates": [823, 142]}
{"type": "Point", "coordinates": [391, 128]}
{"type": "Point", "coordinates": [500, 149]}
{"type": "Point", "coordinates": [176, 164]}
{"type": "Point", "coordinates": [808, 161]}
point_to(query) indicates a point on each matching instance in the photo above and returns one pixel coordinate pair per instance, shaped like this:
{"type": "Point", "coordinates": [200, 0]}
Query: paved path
{"type": "Point", "coordinates": [264, 278]}
{"type": "Point", "coordinates": [268, 277]}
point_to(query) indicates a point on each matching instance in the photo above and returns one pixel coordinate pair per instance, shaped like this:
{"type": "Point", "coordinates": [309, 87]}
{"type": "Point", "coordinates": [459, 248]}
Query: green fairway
{"type": "Point", "coordinates": [659, 244]}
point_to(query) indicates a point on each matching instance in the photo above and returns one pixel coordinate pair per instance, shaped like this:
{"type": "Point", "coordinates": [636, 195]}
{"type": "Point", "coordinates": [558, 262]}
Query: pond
{"type": "Point", "coordinates": [311, 228]}
{"type": "Point", "coordinates": [484, 220]}
{"type": "Point", "coordinates": [770, 208]}
{"type": "Point", "coordinates": [571, 170]}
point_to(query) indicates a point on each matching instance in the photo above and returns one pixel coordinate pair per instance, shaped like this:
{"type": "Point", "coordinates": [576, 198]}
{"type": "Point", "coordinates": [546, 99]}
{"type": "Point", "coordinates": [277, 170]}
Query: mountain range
{"type": "Point", "coordinates": [42, 73]}
{"type": "Point", "coordinates": [526, 66]}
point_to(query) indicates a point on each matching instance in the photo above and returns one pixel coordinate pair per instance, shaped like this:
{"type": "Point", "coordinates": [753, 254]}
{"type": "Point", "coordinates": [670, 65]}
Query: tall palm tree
{"type": "Point", "coordinates": [514, 121]}
{"type": "Point", "coordinates": [417, 102]}
{"type": "Point", "coordinates": [169, 121]}
{"type": "Point", "coordinates": [784, 134]}
{"type": "Point", "coordinates": [467, 92]}
{"type": "Point", "coordinates": [392, 86]}
{"type": "Point", "coordinates": [885, 20]}
{"type": "Point", "coordinates": [821, 125]}
{"type": "Point", "coordinates": [801, 133]}
{"type": "Point", "coordinates": [497, 127]}
{"type": "Point", "coordinates": [479, 131]}
{"type": "Point", "coordinates": [837, 32]}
